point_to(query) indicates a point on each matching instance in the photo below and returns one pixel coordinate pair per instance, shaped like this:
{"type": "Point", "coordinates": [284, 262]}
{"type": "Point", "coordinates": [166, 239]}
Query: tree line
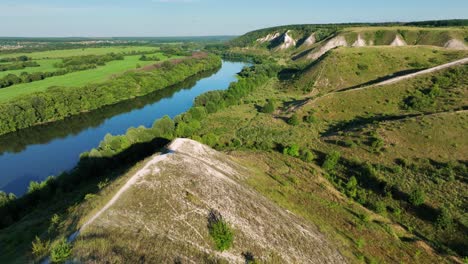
{"type": "Point", "coordinates": [67, 65]}
{"type": "Point", "coordinates": [60, 102]}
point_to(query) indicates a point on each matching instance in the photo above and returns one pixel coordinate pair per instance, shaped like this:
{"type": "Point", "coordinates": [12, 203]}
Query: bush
{"type": "Point", "coordinates": [292, 150]}
{"type": "Point", "coordinates": [220, 231]}
{"type": "Point", "coordinates": [444, 220]}
{"type": "Point", "coordinates": [294, 120]}
{"type": "Point", "coordinates": [331, 160]}
{"type": "Point", "coordinates": [210, 139]}
{"type": "Point", "coordinates": [380, 207]}
{"type": "Point", "coordinates": [60, 252]}
{"type": "Point", "coordinates": [307, 156]}
{"type": "Point", "coordinates": [310, 119]}
{"type": "Point", "coordinates": [40, 248]}
{"type": "Point", "coordinates": [417, 197]}
{"type": "Point", "coordinates": [269, 107]}
{"type": "Point", "coordinates": [351, 187]}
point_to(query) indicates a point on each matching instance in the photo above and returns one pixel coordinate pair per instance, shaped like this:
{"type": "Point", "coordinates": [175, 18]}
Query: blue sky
{"type": "Point", "coordinates": [203, 17]}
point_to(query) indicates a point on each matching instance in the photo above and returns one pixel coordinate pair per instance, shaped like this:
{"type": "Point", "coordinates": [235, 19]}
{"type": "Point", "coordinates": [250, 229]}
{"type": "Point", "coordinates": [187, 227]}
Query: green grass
{"type": "Point", "coordinates": [46, 65]}
{"type": "Point", "coordinates": [76, 79]}
{"type": "Point", "coordinates": [54, 54]}
{"type": "Point", "coordinates": [348, 67]}
{"type": "Point", "coordinates": [424, 141]}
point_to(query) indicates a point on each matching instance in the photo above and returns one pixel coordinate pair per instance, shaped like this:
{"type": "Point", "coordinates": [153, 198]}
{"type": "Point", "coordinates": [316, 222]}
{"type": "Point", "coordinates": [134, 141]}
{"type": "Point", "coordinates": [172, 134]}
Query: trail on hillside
{"type": "Point", "coordinates": [389, 81]}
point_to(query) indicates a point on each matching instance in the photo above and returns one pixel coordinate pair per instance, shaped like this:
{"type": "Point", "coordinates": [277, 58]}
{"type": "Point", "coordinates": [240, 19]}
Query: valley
{"type": "Point", "coordinates": [323, 143]}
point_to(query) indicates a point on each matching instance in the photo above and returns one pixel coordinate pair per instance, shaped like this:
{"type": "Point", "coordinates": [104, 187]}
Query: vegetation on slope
{"type": "Point", "coordinates": [345, 68]}
{"type": "Point", "coordinates": [389, 187]}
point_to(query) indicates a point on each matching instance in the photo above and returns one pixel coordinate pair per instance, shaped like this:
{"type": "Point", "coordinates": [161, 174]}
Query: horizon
{"type": "Point", "coordinates": [192, 18]}
{"type": "Point", "coordinates": [225, 35]}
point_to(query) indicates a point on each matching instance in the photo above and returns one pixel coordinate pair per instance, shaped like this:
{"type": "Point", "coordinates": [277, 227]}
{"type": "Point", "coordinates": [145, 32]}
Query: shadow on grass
{"type": "Point", "coordinates": [382, 79]}
{"type": "Point", "coordinates": [362, 121]}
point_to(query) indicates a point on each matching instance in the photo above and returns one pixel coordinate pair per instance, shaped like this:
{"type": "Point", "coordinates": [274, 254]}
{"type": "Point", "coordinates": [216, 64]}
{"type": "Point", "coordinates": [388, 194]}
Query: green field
{"type": "Point", "coordinates": [46, 65]}
{"type": "Point", "coordinates": [75, 79]}
{"type": "Point", "coordinates": [78, 52]}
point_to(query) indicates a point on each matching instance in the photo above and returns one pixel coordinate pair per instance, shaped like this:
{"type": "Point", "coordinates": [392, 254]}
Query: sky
{"type": "Point", "coordinates": [106, 18]}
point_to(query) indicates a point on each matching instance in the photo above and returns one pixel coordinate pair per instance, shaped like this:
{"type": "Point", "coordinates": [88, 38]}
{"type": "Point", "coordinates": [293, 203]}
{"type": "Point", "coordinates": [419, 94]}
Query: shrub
{"type": "Point", "coordinates": [380, 207]}
{"type": "Point", "coordinates": [6, 198]}
{"type": "Point", "coordinates": [164, 127]}
{"type": "Point", "coordinates": [220, 231]}
{"type": "Point", "coordinates": [444, 220]}
{"type": "Point", "coordinates": [331, 160]}
{"type": "Point", "coordinates": [307, 156]}
{"type": "Point", "coordinates": [362, 67]}
{"type": "Point", "coordinates": [269, 107]}
{"type": "Point", "coordinates": [40, 248]}
{"type": "Point", "coordinates": [60, 252]}
{"type": "Point", "coordinates": [294, 120]}
{"type": "Point", "coordinates": [351, 187]}
{"type": "Point", "coordinates": [292, 150]}
{"type": "Point", "coordinates": [54, 223]}
{"type": "Point", "coordinates": [310, 119]}
{"type": "Point", "coordinates": [417, 197]}
{"type": "Point", "coordinates": [210, 139]}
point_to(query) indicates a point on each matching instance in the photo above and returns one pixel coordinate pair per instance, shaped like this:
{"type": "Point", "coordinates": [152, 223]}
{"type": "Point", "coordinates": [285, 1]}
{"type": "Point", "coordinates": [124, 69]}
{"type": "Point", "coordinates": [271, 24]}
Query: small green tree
{"type": "Point", "coordinates": [307, 156]}
{"type": "Point", "coordinates": [40, 248]}
{"type": "Point", "coordinates": [310, 119]}
{"type": "Point", "coordinates": [417, 196]}
{"type": "Point", "coordinates": [60, 252]}
{"type": "Point", "coordinates": [164, 127]}
{"type": "Point", "coordinates": [220, 231]}
{"type": "Point", "coordinates": [444, 220]}
{"type": "Point", "coordinates": [351, 187]}
{"type": "Point", "coordinates": [210, 139]}
{"type": "Point", "coordinates": [269, 107]}
{"type": "Point", "coordinates": [331, 160]}
{"type": "Point", "coordinates": [294, 120]}
{"type": "Point", "coordinates": [292, 150]}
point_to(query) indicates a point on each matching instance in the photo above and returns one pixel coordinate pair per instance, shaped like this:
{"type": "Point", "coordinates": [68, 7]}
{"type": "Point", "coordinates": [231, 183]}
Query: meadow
{"type": "Point", "coordinates": [54, 54]}
{"type": "Point", "coordinates": [78, 78]}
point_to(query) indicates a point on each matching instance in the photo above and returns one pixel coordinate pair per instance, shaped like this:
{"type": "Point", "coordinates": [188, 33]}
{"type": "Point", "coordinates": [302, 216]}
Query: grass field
{"type": "Point", "coordinates": [53, 54]}
{"type": "Point", "coordinates": [46, 65]}
{"type": "Point", "coordinates": [75, 79]}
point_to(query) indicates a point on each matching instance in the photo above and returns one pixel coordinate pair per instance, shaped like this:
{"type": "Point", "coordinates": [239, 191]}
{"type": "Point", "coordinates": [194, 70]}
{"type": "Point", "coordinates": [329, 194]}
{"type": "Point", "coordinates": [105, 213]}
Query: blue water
{"type": "Point", "coordinates": [36, 161]}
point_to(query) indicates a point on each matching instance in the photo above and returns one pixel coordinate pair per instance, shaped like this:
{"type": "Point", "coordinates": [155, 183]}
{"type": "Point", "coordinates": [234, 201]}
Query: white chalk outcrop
{"type": "Point", "coordinates": [398, 42]}
{"type": "Point", "coordinates": [338, 41]}
{"type": "Point", "coordinates": [309, 41]}
{"type": "Point", "coordinates": [268, 37]}
{"type": "Point", "coordinates": [286, 41]}
{"type": "Point", "coordinates": [360, 42]}
{"type": "Point", "coordinates": [456, 44]}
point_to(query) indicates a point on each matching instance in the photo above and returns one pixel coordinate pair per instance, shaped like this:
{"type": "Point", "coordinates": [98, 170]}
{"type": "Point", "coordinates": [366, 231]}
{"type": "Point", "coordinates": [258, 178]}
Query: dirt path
{"type": "Point", "coordinates": [397, 79]}
{"type": "Point", "coordinates": [411, 75]}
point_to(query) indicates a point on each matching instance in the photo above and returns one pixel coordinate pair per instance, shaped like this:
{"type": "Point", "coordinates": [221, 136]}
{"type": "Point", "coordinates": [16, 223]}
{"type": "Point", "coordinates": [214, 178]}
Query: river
{"type": "Point", "coordinates": [35, 153]}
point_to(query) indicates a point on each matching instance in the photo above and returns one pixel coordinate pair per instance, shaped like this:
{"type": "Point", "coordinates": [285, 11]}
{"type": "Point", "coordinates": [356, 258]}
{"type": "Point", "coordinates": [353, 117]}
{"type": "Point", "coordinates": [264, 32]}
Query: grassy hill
{"type": "Point", "coordinates": [312, 41]}
{"type": "Point", "coordinates": [344, 67]}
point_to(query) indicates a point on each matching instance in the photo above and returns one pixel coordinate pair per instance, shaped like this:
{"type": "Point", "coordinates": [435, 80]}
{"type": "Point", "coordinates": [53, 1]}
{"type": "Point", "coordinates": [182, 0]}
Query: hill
{"type": "Point", "coordinates": [167, 206]}
{"type": "Point", "coordinates": [312, 41]}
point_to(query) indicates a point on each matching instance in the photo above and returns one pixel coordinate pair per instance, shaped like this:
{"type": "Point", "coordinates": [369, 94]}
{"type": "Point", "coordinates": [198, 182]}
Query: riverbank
{"type": "Point", "coordinates": [57, 103]}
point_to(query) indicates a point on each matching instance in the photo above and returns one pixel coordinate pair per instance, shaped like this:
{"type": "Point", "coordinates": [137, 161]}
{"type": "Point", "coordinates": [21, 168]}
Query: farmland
{"type": "Point", "coordinates": [79, 78]}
